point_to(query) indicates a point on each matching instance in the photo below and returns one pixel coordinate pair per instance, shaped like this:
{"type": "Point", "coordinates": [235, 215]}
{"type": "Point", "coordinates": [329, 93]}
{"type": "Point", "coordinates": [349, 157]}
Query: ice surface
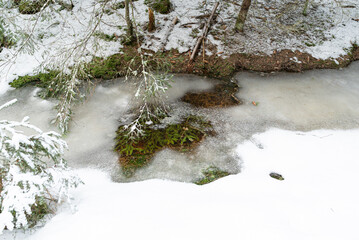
{"type": "Point", "coordinates": [302, 101]}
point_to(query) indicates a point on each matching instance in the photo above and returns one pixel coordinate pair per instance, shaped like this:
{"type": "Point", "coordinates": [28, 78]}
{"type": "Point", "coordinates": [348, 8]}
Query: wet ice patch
{"type": "Point", "coordinates": [309, 100]}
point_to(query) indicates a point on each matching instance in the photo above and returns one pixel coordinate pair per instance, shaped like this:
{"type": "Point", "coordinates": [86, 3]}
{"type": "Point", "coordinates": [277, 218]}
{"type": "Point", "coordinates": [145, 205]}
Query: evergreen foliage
{"type": "Point", "coordinates": [34, 175]}
{"type": "Point", "coordinates": [6, 38]}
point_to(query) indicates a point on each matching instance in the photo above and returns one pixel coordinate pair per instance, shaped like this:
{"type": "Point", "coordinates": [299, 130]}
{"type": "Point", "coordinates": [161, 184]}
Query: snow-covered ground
{"type": "Point", "coordinates": [317, 200]}
{"type": "Point", "coordinates": [328, 31]}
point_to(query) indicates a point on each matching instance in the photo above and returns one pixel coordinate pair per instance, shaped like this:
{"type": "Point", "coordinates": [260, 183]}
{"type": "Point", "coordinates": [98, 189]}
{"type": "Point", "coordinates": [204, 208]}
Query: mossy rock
{"type": "Point", "coordinates": [161, 6]}
{"type": "Point", "coordinates": [211, 174]}
{"type": "Point", "coordinates": [30, 7]}
{"type": "Point", "coordinates": [276, 176]}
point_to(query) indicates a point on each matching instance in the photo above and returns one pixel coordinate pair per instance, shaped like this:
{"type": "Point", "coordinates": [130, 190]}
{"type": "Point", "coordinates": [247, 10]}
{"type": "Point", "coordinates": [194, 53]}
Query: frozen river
{"type": "Point", "coordinates": [321, 99]}
{"type": "Point", "coordinates": [305, 126]}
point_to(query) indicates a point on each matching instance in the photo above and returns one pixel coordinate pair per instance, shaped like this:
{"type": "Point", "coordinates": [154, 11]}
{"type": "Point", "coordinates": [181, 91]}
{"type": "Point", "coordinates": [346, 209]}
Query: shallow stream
{"type": "Point", "coordinates": [319, 99]}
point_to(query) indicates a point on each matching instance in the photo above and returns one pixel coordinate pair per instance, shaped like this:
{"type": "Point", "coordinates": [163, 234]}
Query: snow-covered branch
{"type": "Point", "coordinates": [33, 170]}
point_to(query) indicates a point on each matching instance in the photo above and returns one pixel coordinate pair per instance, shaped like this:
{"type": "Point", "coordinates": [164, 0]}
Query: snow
{"type": "Point", "coordinates": [345, 32]}
{"type": "Point", "coordinates": [317, 199]}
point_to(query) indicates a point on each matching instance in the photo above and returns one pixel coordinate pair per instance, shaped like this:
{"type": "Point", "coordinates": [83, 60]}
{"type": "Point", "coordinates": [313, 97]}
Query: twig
{"type": "Point", "coordinates": [203, 48]}
{"type": "Point", "coordinates": [189, 23]}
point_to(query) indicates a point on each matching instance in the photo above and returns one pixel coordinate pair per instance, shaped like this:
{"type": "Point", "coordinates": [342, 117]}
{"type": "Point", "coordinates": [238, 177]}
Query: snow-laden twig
{"type": "Point", "coordinates": [150, 91]}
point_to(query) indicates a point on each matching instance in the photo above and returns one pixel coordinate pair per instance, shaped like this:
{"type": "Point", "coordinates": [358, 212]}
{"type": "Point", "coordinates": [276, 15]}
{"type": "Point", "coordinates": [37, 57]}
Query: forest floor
{"type": "Point", "coordinates": [277, 37]}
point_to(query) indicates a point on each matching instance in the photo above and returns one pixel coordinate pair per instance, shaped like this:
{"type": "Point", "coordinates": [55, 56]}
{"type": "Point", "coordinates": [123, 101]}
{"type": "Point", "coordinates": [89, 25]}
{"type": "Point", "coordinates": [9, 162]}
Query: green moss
{"type": "Point", "coordinates": [118, 5]}
{"type": "Point", "coordinates": [30, 7]}
{"type": "Point", "coordinates": [194, 33]}
{"type": "Point", "coordinates": [309, 44]}
{"type": "Point", "coordinates": [106, 37]}
{"type": "Point", "coordinates": [136, 153]}
{"type": "Point", "coordinates": [161, 6]}
{"type": "Point", "coordinates": [211, 174]}
{"type": "Point", "coordinates": [65, 6]}
{"type": "Point", "coordinates": [109, 68]}
{"type": "Point", "coordinates": [133, 163]}
{"type": "Point", "coordinates": [41, 80]}
{"type": "Point", "coordinates": [350, 51]}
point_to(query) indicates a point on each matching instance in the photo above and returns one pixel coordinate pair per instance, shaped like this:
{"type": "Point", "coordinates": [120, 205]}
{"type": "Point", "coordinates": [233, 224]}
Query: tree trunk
{"type": "Point", "coordinates": [129, 32]}
{"type": "Point", "coordinates": [242, 15]}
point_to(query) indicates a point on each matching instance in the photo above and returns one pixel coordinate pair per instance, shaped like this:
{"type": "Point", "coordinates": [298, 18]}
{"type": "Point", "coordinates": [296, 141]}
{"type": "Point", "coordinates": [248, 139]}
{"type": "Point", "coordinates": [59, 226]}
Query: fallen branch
{"type": "Point", "coordinates": [189, 23]}
{"type": "Point", "coordinates": [167, 34]}
{"type": "Point", "coordinates": [204, 34]}
{"type": "Point", "coordinates": [204, 16]}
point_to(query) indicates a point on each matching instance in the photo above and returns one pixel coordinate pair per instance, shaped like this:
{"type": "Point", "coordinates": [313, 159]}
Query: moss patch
{"type": "Point", "coordinates": [136, 153]}
{"type": "Point", "coordinates": [30, 7]}
{"type": "Point", "coordinates": [113, 66]}
{"type": "Point", "coordinates": [211, 174]}
{"type": "Point", "coordinates": [106, 37]}
{"type": "Point", "coordinates": [161, 6]}
{"type": "Point", "coordinates": [40, 80]}
{"type": "Point", "coordinates": [221, 96]}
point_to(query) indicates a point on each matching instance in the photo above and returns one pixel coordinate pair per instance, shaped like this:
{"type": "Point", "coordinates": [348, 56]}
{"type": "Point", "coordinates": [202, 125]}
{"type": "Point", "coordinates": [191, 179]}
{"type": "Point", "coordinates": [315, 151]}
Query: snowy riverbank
{"type": "Point", "coordinates": [328, 32]}
{"type": "Point", "coordinates": [317, 199]}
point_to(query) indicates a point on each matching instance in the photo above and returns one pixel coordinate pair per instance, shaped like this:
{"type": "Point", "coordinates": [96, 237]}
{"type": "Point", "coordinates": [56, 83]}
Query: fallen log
{"type": "Point", "coordinates": [204, 34]}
